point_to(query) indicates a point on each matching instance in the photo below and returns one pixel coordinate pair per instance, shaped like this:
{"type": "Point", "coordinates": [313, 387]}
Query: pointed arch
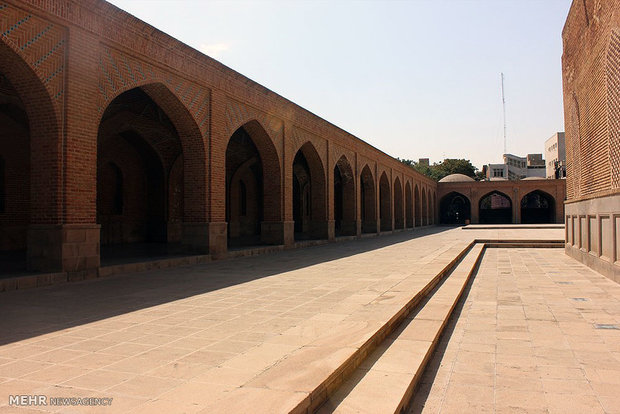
{"type": "Point", "coordinates": [154, 140]}
{"type": "Point", "coordinates": [31, 148]}
{"type": "Point", "coordinates": [409, 220]}
{"type": "Point", "coordinates": [344, 198]}
{"type": "Point", "coordinates": [454, 208]}
{"type": "Point", "coordinates": [385, 203]}
{"type": "Point", "coordinates": [537, 207]}
{"type": "Point", "coordinates": [43, 124]}
{"type": "Point", "coordinates": [495, 207]}
{"type": "Point", "coordinates": [309, 194]}
{"type": "Point", "coordinates": [424, 208]}
{"type": "Point", "coordinates": [253, 181]}
{"type": "Point", "coordinates": [368, 203]}
{"type": "Point", "coordinates": [418, 206]}
{"type": "Point", "coordinates": [193, 144]}
{"type": "Point", "coordinates": [434, 210]}
{"type": "Point", "coordinates": [399, 215]}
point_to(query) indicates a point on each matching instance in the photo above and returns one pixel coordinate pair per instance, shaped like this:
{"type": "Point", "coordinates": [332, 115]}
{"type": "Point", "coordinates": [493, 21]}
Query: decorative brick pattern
{"type": "Point", "coordinates": [591, 70]}
{"type": "Point", "coordinates": [41, 43]}
{"type": "Point", "coordinates": [238, 114]}
{"type": "Point", "coordinates": [613, 105]}
{"type": "Point", "coordinates": [301, 136]}
{"type": "Point", "coordinates": [572, 150]}
{"type": "Point", "coordinates": [120, 72]}
{"type": "Point", "coordinates": [85, 54]}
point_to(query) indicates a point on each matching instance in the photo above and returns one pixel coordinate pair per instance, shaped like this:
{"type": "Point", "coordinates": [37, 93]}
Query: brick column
{"type": "Point", "coordinates": [288, 225]}
{"type": "Point", "coordinates": [214, 233]}
{"type": "Point", "coordinates": [72, 245]}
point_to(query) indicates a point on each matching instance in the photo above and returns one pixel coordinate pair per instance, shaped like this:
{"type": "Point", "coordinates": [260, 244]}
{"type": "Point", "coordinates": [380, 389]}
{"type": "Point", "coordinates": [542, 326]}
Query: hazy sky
{"type": "Point", "coordinates": [413, 78]}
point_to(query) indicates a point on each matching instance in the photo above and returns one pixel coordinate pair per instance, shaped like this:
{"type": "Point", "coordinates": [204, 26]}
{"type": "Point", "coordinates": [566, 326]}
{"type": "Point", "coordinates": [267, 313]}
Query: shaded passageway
{"type": "Point", "coordinates": [454, 208]}
{"type": "Point", "coordinates": [309, 196]}
{"type": "Point", "coordinates": [385, 203]}
{"type": "Point", "coordinates": [368, 201]}
{"type": "Point", "coordinates": [408, 206]}
{"type": "Point", "coordinates": [495, 208]}
{"type": "Point", "coordinates": [344, 198]}
{"type": "Point", "coordinates": [399, 215]}
{"type": "Point", "coordinates": [537, 207]}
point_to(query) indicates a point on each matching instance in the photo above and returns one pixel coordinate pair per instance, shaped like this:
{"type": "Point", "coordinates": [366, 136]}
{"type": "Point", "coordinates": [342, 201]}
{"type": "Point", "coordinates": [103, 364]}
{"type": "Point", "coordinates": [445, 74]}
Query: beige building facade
{"type": "Point", "coordinates": [555, 156]}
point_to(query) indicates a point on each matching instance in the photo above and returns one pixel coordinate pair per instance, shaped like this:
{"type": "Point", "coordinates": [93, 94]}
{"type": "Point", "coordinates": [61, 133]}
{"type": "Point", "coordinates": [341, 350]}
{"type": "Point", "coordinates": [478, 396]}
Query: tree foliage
{"type": "Point", "coordinates": [443, 168]}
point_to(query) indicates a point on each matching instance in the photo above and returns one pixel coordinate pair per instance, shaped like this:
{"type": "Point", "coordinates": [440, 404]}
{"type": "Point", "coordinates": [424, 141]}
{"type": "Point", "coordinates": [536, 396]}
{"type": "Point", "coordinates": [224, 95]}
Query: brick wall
{"type": "Point", "coordinates": [591, 67]}
{"type": "Point", "coordinates": [591, 75]}
{"type": "Point", "coordinates": [70, 60]}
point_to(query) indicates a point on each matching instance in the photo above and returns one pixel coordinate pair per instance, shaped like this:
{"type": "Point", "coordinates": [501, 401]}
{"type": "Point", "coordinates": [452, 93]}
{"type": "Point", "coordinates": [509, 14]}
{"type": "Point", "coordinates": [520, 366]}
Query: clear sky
{"type": "Point", "coordinates": [414, 78]}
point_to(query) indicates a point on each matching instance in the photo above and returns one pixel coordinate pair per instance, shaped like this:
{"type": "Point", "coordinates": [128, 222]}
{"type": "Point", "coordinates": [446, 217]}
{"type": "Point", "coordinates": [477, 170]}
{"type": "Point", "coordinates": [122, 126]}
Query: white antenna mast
{"type": "Point", "coordinates": [504, 111]}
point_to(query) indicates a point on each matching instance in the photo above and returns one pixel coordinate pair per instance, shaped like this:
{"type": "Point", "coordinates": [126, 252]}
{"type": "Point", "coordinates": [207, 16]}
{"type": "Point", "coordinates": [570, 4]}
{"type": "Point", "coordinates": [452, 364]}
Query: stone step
{"type": "Point", "coordinates": [386, 379]}
{"type": "Point", "coordinates": [303, 381]}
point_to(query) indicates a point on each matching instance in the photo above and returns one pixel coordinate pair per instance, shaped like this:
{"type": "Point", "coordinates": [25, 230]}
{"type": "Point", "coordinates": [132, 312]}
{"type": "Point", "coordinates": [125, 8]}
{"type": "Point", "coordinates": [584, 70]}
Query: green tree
{"type": "Point", "coordinates": [446, 167]}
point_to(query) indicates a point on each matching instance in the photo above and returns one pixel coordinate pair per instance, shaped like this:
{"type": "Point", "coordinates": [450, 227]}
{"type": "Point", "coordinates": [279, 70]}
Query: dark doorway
{"type": "Point", "coordinates": [309, 207]}
{"type": "Point", "coordinates": [399, 217]}
{"type": "Point", "coordinates": [368, 206]}
{"type": "Point", "coordinates": [408, 206]}
{"type": "Point", "coordinates": [454, 208]}
{"type": "Point", "coordinates": [139, 179]}
{"type": "Point", "coordinates": [537, 207]}
{"type": "Point", "coordinates": [244, 190]}
{"type": "Point", "coordinates": [385, 205]}
{"type": "Point", "coordinates": [418, 207]}
{"type": "Point", "coordinates": [344, 199]}
{"type": "Point", "coordinates": [495, 208]}
{"type": "Point", "coordinates": [14, 179]}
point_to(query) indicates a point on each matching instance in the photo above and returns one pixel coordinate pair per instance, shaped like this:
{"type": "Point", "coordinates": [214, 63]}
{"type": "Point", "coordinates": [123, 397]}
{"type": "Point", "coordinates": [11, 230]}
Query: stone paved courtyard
{"type": "Point", "coordinates": [210, 338]}
{"type": "Point", "coordinates": [526, 340]}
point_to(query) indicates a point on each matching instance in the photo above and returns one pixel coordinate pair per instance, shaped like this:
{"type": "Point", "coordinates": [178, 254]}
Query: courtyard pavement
{"type": "Point", "coordinates": [204, 338]}
{"type": "Point", "coordinates": [533, 336]}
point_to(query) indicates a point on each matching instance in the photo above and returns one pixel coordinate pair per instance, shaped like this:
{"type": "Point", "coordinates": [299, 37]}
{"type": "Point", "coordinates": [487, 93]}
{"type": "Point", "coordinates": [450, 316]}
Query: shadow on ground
{"type": "Point", "coordinates": [33, 312]}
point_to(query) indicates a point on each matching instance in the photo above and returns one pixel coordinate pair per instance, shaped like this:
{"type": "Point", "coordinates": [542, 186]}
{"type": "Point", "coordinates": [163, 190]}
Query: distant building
{"type": "Point", "coordinates": [517, 168]}
{"type": "Point", "coordinates": [555, 154]}
{"type": "Point", "coordinates": [497, 171]}
{"type": "Point", "coordinates": [424, 161]}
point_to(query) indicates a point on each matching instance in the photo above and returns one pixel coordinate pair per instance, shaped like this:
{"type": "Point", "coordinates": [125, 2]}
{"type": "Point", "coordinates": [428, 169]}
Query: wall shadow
{"type": "Point", "coordinates": [32, 312]}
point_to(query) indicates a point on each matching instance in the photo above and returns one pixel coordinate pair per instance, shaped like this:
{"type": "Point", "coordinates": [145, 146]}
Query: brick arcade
{"type": "Point", "coordinates": [113, 133]}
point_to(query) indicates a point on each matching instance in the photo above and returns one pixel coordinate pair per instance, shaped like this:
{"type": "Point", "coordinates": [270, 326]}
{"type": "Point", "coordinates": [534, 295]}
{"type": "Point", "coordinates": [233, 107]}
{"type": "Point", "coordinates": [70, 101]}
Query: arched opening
{"type": "Point", "coordinates": [14, 178]}
{"type": "Point", "coordinates": [537, 207]}
{"type": "Point", "coordinates": [385, 205]}
{"type": "Point", "coordinates": [424, 208]}
{"type": "Point", "coordinates": [454, 208]}
{"type": "Point", "coordinates": [309, 203]}
{"type": "Point", "coordinates": [408, 206]}
{"type": "Point", "coordinates": [399, 216]}
{"type": "Point", "coordinates": [344, 198]}
{"type": "Point", "coordinates": [140, 191]}
{"type": "Point", "coordinates": [432, 208]}
{"type": "Point", "coordinates": [418, 207]}
{"type": "Point", "coordinates": [495, 208]}
{"type": "Point", "coordinates": [244, 190]}
{"type": "Point", "coordinates": [368, 206]}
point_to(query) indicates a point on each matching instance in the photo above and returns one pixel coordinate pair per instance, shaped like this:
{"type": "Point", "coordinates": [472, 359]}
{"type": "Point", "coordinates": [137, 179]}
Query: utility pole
{"type": "Point", "coordinates": [504, 112]}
